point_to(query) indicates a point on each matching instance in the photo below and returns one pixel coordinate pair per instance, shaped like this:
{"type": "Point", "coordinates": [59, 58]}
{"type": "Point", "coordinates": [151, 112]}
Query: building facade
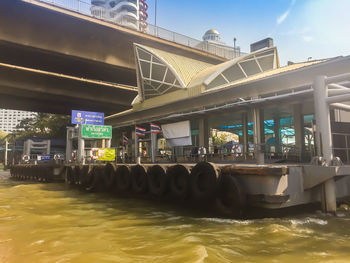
{"type": "Point", "coordinates": [9, 119]}
{"type": "Point", "coordinates": [128, 13]}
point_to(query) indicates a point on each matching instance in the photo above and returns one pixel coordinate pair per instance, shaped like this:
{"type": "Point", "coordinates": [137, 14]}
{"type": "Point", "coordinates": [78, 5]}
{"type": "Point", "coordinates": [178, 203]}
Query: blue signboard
{"type": "Point", "coordinates": [43, 158]}
{"type": "Point", "coordinates": [87, 117]}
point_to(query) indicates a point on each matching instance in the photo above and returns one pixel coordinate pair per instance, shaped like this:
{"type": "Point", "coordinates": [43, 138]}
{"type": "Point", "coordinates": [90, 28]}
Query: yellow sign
{"type": "Point", "coordinates": [106, 154]}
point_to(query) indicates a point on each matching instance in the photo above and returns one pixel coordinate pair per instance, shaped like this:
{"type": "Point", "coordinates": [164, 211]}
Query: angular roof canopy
{"type": "Point", "coordinates": [239, 68]}
{"type": "Point", "coordinates": [163, 73]}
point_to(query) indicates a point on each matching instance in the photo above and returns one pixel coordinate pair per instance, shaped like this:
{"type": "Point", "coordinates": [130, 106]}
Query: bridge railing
{"type": "Point", "coordinates": [84, 7]}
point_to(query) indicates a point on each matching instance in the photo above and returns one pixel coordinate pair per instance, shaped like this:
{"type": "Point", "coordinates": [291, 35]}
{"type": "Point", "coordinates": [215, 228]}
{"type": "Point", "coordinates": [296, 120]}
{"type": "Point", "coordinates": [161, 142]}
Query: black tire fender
{"type": "Point", "coordinates": [109, 177]}
{"type": "Point", "coordinates": [179, 183]}
{"type": "Point", "coordinates": [139, 179]}
{"type": "Point", "coordinates": [231, 198]}
{"type": "Point", "coordinates": [203, 180]}
{"type": "Point", "coordinates": [157, 180]}
{"type": "Point", "coordinates": [123, 178]}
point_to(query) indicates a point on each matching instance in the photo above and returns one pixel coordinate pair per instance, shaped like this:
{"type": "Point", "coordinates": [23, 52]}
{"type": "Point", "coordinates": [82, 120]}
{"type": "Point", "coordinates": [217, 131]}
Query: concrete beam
{"type": "Point", "coordinates": [58, 89]}
{"type": "Point", "coordinates": [41, 26]}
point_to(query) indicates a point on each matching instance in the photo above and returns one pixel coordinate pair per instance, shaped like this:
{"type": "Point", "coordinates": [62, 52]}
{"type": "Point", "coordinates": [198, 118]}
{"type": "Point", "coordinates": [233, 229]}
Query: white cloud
{"type": "Point", "coordinates": [284, 16]}
{"type": "Point", "coordinates": [308, 38]}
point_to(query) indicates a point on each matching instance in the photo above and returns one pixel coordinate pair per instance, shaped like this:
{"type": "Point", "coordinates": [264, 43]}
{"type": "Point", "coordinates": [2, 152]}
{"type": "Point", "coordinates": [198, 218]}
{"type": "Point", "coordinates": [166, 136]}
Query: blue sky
{"type": "Point", "coordinates": [300, 28]}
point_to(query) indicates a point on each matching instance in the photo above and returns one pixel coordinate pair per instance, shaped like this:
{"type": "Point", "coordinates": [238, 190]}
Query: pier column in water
{"type": "Point", "coordinates": [299, 130]}
{"type": "Point", "coordinates": [258, 132]}
{"type": "Point", "coordinates": [324, 139]}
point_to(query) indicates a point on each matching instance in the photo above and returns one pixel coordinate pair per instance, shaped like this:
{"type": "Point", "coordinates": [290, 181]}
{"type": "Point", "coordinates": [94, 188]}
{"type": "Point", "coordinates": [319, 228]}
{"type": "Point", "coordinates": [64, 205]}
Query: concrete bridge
{"type": "Point", "coordinates": [55, 60]}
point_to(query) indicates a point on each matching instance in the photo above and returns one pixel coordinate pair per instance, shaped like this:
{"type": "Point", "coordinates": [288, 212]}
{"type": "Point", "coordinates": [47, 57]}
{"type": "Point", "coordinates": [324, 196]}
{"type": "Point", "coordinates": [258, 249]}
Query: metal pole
{"type": "Point", "coordinates": [245, 133]}
{"type": "Point", "coordinates": [108, 143]}
{"type": "Point", "coordinates": [6, 149]}
{"type": "Point", "coordinates": [137, 155]}
{"type": "Point", "coordinates": [155, 14]}
{"type": "Point", "coordinates": [323, 118]}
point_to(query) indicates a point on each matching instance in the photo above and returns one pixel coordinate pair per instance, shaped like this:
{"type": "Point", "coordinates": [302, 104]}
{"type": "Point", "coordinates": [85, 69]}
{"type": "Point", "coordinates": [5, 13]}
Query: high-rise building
{"type": "Point", "coordinates": [128, 13]}
{"type": "Point", "coordinates": [9, 119]}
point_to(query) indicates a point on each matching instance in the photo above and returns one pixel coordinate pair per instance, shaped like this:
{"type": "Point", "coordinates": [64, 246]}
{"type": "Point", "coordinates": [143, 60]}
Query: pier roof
{"type": "Point", "coordinates": [174, 86]}
{"type": "Point", "coordinates": [284, 80]}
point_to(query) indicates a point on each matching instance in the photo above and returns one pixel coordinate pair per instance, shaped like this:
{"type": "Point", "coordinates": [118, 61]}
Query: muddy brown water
{"type": "Point", "coordinates": [55, 223]}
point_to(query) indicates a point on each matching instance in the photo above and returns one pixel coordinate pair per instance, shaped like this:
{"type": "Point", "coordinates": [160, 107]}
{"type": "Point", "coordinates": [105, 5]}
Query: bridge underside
{"type": "Point", "coordinates": [38, 36]}
{"type": "Point", "coordinates": [35, 90]}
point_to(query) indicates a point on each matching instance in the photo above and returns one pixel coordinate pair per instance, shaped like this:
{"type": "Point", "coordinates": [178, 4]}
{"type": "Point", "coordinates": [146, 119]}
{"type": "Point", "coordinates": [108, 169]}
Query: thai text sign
{"type": "Point", "coordinates": [106, 154]}
{"type": "Point", "coordinates": [43, 158]}
{"type": "Point", "coordinates": [96, 131]}
{"type": "Point", "coordinates": [87, 117]}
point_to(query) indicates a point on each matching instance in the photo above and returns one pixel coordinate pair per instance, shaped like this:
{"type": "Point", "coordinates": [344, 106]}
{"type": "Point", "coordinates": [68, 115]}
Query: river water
{"type": "Point", "coordinates": [53, 223]}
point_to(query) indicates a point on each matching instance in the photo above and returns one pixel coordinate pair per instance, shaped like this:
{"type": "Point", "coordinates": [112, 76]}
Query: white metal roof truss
{"type": "Point", "coordinates": [156, 77]}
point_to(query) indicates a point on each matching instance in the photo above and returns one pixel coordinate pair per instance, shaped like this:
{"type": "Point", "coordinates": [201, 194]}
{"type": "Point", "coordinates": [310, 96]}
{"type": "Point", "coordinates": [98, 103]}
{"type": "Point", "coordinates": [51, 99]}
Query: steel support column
{"type": "Point", "coordinates": [259, 155]}
{"type": "Point", "coordinates": [299, 130]}
{"type": "Point", "coordinates": [203, 133]}
{"type": "Point", "coordinates": [69, 144]}
{"type": "Point", "coordinates": [245, 133]}
{"type": "Point", "coordinates": [324, 139]}
{"type": "Point", "coordinates": [276, 131]}
{"type": "Point", "coordinates": [81, 148]}
{"type": "Point", "coordinates": [6, 152]}
{"type": "Point", "coordinates": [154, 147]}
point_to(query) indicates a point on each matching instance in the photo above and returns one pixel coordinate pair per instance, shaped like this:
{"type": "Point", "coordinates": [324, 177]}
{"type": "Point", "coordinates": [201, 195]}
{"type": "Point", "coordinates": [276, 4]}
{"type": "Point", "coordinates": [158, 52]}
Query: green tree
{"type": "Point", "coordinates": [2, 136]}
{"type": "Point", "coordinates": [43, 125]}
{"type": "Point", "coordinates": [220, 140]}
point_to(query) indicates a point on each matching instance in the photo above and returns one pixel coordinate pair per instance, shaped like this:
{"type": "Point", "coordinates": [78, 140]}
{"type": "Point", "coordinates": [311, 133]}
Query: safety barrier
{"type": "Point", "coordinates": [202, 184]}
{"type": "Point", "coordinates": [84, 8]}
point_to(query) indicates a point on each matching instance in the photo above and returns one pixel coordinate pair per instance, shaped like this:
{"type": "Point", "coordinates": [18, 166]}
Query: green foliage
{"type": "Point", "coordinates": [2, 136]}
{"type": "Point", "coordinates": [220, 140]}
{"type": "Point", "coordinates": [43, 125]}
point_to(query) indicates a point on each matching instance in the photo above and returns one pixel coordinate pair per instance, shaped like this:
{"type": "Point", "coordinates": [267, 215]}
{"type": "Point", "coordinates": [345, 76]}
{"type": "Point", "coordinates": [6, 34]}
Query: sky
{"type": "Point", "coordinates": [301, 29]}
